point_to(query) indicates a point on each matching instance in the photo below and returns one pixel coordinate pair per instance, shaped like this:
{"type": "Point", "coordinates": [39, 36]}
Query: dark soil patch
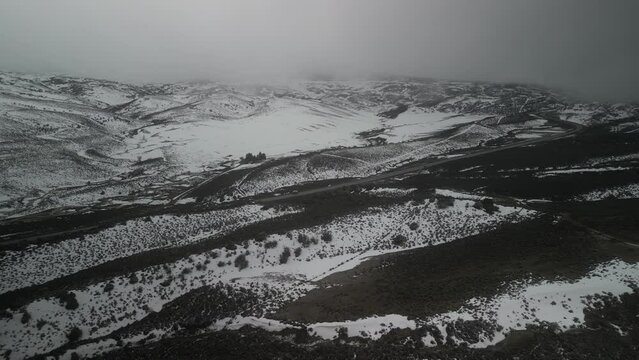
{"type": "Point", "coordinates": [617, 218]}
{"type": "Point", "coordinates": [440, 278]}
{"type": "Point", "coordinates": [525, 185]}
{"type": "Point", "coordinates": [593, 142]}
{"type": "Point", "coordinates": [537, 342]}
{"type": "Point", "coordinates": [493, 173]}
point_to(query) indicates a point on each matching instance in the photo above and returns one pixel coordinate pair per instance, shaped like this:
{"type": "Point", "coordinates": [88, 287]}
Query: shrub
{"type": "Point", "coordinates": [75, 334]}
{"type": "Point", "coordinates": [241, 262]}
{"type": "Point", "coordinates": [108, 287]}
{"type": "Point", "coordinates": [260, 237]}
{"type": "Point", "coordinates": [298, 252]}
{"type": "Point", "coordinates": [327, 236]}
{"type": "Point", "coordinates": [304, 240]}
{"type": "Point", "coordinates": [488, 205]}
{"type": "Point", "coordinates": [399, 240]}
{"type": "Point", "coordinates": [444, 202]}
{"type": "Point", "coordinates": [342, 333]}
{"type": "Point", "coordinates": [69, 301]}
{"type": "Point", "coordinates": [302, 336]}
{"type": "Point", "coordinates": [285, 255]}
{"type": "Point", "coordinates": [26, 317]}
{"type": "Point", "coordinates": [221, 264]}
{"type": "Point", "coordinates": [413, 226]}
{"type": "Point", "coordinates": [133, 279]}
{"type": "Point", "coordinates": [270, 244]}
{"type": "Point", "coordinates": [167, 282]}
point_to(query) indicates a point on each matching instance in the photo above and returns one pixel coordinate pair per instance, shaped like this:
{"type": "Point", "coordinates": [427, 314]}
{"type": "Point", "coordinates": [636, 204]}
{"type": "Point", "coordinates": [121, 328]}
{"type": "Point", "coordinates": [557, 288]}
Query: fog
{"type": "Point", "coordinates": [584, 46]}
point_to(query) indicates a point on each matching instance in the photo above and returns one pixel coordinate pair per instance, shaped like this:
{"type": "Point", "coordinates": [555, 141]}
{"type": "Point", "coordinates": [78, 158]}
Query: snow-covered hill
{"type": "Point", "coordinates": [76, 141]}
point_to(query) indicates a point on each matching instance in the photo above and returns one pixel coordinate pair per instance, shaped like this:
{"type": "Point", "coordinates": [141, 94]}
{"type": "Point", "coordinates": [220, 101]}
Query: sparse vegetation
{"type": "Point", "coordinates": [451, 251]}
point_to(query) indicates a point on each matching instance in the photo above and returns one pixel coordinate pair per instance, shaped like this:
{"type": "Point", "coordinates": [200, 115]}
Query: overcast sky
{"type": "Point", "coordinates": [581, 45]}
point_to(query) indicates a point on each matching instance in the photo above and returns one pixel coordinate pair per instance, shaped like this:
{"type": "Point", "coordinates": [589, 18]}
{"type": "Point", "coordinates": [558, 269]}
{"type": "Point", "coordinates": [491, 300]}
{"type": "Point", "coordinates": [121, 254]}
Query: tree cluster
{"type": "Point", "coordinates": [249, 158]}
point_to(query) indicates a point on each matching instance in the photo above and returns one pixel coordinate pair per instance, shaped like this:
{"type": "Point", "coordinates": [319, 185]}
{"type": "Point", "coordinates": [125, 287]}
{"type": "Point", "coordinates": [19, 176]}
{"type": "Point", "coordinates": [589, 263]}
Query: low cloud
{"type": "Point", "coordinates": [583, 46]}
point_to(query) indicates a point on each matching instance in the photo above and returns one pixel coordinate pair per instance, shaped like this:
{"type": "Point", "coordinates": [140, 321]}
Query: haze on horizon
{"type": "Point", "coordinates": [584, 46]}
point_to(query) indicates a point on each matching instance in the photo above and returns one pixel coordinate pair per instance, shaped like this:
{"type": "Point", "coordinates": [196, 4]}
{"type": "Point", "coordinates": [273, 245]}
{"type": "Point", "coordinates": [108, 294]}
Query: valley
{"type": "Point", "coordinates": [397, 218]}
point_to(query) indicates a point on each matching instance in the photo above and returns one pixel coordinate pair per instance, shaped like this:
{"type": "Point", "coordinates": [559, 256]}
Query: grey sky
{"type": "Point", "coordinates": [584, 45]}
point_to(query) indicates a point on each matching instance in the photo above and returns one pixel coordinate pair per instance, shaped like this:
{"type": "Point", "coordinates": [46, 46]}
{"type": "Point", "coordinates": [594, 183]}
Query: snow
{"type": "Point", "coordinates": [611, 159]}
{"type": "Point", "coordinates": [524, 303]}
{"type": "Point", "coordinates": [39, 264]}
{"type": "Point", "coordinates": [455, 194]}
{"type": "Point", "coordinates": [196, 126]}
{"type": "Point", "coordinates": [372, 327]}
{"type": "Point", "coordinates": [185, 201]}
{"type": "Point", "coordinates": [390, 192]}
{"type": "Point", "coordinates": [370, 161]}
{"type": "Point", "coordinates": [629, 191]}
{"type": "Point", "coordinates": [240, 321]}
{"type": "Point", "coordinates": [560, 302]}
{"type": "Point", "coordinates": [416, 123]}
{"type": "Point", "coordinates": [528, 135]}
{"type": "Point", "coordinates": [584, 113]}
{"type": "Point", "coordinates": [580, 170]}
{"type": "Point", "coordinates": [355, 238]}
{"type": "Point", "coordinates": [109, 96]}
{"type": "Point", "coordinates": [288, 127]}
